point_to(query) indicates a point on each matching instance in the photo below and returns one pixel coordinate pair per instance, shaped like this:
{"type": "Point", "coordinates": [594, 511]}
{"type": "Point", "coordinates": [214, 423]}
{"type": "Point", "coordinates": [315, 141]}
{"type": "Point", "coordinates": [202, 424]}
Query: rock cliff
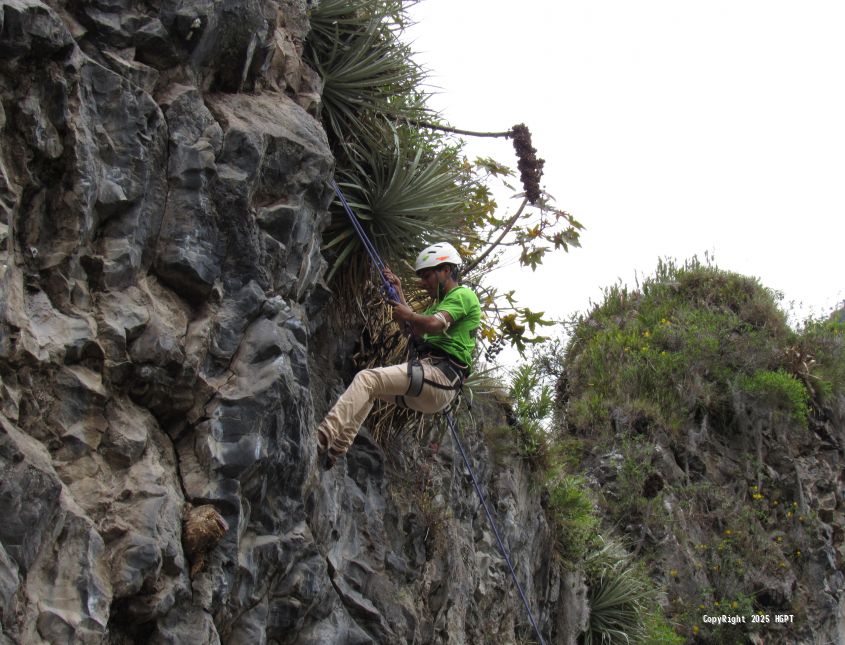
{"type": "Point", "coordinates": [166, 345]}
{"type": "Point", "coordinates": [713, 436]}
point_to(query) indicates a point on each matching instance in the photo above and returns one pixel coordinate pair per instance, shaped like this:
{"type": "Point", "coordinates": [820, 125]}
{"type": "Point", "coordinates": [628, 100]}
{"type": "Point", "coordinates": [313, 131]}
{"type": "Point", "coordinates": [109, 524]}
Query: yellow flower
{"type": "Point", "coordinates": [673, 573]}
{"type": "Point", "coordinates": [789, 514]}
{"type": "Point", "coordinates": [695, 629]}
{"type": "Point", "coordinates": [646, 333]}
{"type": "Point", "coordinates": [757, 496]}
{"type": "Point", "coordinates": [728, 532]}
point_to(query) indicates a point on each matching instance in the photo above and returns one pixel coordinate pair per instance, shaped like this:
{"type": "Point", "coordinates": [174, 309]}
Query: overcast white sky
{"type": "Point", "coordinates": [669, 129]}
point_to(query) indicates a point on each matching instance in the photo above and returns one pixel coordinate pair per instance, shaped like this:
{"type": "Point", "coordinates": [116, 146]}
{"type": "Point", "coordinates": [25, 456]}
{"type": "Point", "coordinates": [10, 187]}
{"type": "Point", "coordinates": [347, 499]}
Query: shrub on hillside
{"type": "Point", "coordinates": [678, 347]}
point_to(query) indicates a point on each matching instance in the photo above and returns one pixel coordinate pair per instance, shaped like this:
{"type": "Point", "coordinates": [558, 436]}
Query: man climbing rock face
{"type": "Point", "coordinates": [444, 338]}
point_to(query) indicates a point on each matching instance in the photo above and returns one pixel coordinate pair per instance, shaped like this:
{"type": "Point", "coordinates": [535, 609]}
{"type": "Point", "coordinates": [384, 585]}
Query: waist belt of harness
{"type": "Point", "coordinates": [427, 350]}
{"type": "Point", "coordinates": [454, 371]}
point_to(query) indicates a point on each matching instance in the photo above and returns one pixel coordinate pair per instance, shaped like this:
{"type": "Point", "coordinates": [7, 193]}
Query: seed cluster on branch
{"type": "Point", "coordinates": [530, 167]}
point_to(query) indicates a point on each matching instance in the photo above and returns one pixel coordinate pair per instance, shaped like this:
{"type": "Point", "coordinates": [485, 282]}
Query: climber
{"type": "Point", "coordinates": [444, 338]}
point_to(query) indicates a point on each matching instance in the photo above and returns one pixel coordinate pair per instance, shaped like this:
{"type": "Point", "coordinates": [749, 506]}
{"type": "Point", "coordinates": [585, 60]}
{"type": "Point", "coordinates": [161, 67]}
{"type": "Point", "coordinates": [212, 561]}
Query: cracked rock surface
{"type": "Point", "coordinates": [165, 346]}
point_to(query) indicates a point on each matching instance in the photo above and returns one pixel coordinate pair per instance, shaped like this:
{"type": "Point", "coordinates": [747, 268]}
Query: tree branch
{"type": "Point", "coordinates": [446, 128]}
{"type": "Point", "coordinates": [498, 241]}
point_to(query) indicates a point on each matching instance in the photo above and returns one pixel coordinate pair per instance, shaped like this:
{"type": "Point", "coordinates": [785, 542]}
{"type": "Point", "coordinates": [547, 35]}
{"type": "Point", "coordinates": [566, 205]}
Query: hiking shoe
{"type": "Point", "coordinates": [329, 458]}
{"type": "Point", "coordinates": [326, 457]}
{"type": "Point", "coordinates": [327, 461]}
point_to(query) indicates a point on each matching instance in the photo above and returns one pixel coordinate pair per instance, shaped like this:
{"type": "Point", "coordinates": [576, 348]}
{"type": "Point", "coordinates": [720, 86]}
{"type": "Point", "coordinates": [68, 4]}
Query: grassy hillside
{"type": "Point", "coordinates": [694, 456]}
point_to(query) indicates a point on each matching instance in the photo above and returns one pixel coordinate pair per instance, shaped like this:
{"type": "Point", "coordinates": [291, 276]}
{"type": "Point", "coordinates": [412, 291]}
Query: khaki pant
{"type": "Point", "coordinates": [388, 384]}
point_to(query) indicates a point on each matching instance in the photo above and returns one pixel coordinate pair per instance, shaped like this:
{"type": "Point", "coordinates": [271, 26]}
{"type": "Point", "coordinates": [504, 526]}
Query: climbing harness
{"type": "Point", "coordinates": [457, 373]}
{"type": "Point", "coordinates": [388, 288]}
{"type": "Point", "coordinates": [453, 370]}
{"type": "Point", "coordinates": [416, 376]}
{"type": "Point", "coordinates": [450, 421]}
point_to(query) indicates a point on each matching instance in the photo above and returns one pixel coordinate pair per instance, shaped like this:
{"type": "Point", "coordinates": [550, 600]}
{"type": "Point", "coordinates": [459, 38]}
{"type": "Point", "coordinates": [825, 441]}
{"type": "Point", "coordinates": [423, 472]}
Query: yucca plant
{"type": "Point", "coordinates": [405, 197]}
{"type": "Point", "coordinates": [366, 69]}
{"type": "Point", "coordinates": [618, 598]}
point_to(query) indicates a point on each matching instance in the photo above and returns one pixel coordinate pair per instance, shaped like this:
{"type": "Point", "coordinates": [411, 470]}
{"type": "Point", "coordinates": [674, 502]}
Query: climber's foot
{"type": "Point", "coordinates": [326, 461]}
{"type": "Point", "coordinates": [326, 457]}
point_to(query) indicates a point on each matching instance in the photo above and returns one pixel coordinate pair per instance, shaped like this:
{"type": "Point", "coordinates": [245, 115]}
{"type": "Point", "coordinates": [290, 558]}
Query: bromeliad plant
{"type": "Point", "coordinates": [620, 598]}
{"type": "Point", "coordinates": [408, 186]}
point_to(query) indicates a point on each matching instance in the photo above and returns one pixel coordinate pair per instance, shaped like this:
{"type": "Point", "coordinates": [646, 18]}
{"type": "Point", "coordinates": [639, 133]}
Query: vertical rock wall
{"type": "Point", "coordinates": [162, 191]}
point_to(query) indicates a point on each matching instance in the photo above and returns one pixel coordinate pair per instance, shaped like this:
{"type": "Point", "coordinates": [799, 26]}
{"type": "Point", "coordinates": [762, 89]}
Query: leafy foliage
{"type": "Point", "coordinates": [365, 67]}
{"type": "Point", "coordinates": [675, 347]}
{"type": "Point", "coordinates": [408, 181]}
{"type": "Point", "coordinates": [818, 358]}
{"type": "Point", "coordinates": [405, 193]}
{"type": "Point", "coordinates": [573, 516]}
{"type": "Point", "coordinates": [620, 596]}
{"type": "Point", "coordinates": [778, 389]}
{"type": "Point", "coordinates": [532, 406]}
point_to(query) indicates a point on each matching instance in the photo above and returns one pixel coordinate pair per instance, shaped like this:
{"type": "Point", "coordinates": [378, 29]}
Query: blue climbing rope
{"type": "Point", "coordinates": [388, 288]}
{"type": "Point", "coordinates": [390, 292]}
{"type": "Point", "coordinates": [450, 421]}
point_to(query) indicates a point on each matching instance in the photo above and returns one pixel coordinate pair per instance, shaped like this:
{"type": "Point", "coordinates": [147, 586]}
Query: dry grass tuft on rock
{"type": "Point", "coordinates": [202, 528]}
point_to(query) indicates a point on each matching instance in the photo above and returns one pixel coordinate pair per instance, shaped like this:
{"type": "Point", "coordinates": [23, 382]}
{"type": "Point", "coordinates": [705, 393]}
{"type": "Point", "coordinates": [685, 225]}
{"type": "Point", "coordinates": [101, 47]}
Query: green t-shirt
{"type": "Point", "coordinates": [458, 341]}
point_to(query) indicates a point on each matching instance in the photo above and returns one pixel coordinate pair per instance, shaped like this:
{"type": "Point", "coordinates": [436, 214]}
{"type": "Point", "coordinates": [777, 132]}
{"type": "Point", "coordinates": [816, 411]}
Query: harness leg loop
{"type": "Point", "coordinates": [416, 377]}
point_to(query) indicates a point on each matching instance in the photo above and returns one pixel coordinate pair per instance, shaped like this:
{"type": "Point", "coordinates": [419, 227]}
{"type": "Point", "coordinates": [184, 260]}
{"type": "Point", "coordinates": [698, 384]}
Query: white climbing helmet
{"type": "Point", "coordinates": [437, 254]}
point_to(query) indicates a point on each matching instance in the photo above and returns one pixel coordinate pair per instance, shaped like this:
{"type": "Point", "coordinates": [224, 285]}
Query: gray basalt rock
{"type": "Point", "coordinates": [190, 249]}
{"type": "Point", "coordinates": [154, 45]}
{"type": "Point", "coordinates": [707, 540]}
{"type": "Point", "coordinates": [32, 29]}
{"type": "Point", "coordinates": [166, 342]}
{"type": "Point", "coordinates": [53, 543]}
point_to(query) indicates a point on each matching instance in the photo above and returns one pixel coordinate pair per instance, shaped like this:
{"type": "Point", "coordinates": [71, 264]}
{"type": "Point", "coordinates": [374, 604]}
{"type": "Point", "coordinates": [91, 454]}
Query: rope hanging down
{"type": "Point", "coordinates": [388, 289]}
{"type": "Point", "coordinates": [391, 294]}
{"type": "Point", "coordinates": [450, 421]}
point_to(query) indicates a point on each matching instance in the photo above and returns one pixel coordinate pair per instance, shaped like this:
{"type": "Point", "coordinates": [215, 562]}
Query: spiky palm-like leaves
{"type": "Point", "coordinates": [405, 193]}
{"type": "Point", "coordinates": [406, 186]}
{"type": "Point", "coordinates": [618, 598]}
{"type": "Point", "coordinates": [366, 69]}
